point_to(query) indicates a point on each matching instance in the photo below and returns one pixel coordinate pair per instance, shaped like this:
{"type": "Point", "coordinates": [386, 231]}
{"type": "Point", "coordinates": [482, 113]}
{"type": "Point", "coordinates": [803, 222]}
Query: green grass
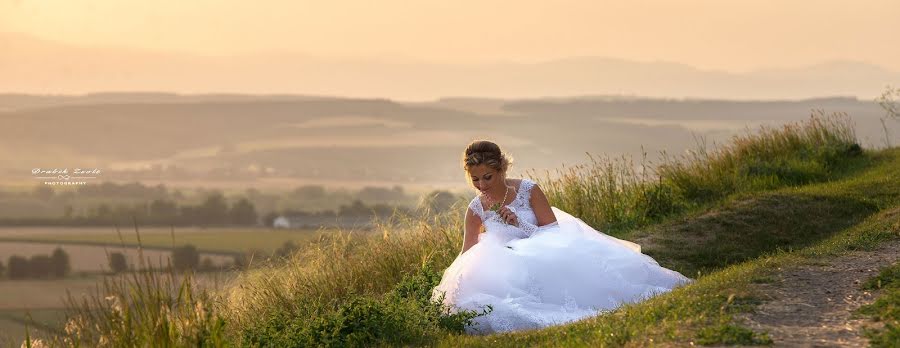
{"type": "Point", "coordinates": [886, 308]}
{"type": "Point", "coordinates": [405, 315]}
{"type": "Point", "coordinates": [704, 311]}
{"type": "Point", "coordinates": [144, 309]}
{"type": "Point", "coordinates": [226, 241]}
{"type": "Point", "coordinates": [615, 197]}
{"type": "Point", "coordinates": [773, 200]}
{"type": "Point", "coordinates": [747, 225]}
{"type": "Point", "coordinates": [316, 281]}
{"type": "Point", "coordinates": [342, 270]}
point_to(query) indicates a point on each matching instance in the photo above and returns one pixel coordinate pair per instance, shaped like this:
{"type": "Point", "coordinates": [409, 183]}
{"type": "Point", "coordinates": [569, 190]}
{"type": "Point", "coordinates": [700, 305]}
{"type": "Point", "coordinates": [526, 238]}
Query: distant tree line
{"type": "Point", "coordinates": [104, 204]}
{"type": "Point", "coordinates": [356, 209]}
{"type": "Point", "coordinates": [213, 211]}
{"type": "Point", "coordinates": [184, 258]}
{"type": "Point", "coordinates": [55, 265]}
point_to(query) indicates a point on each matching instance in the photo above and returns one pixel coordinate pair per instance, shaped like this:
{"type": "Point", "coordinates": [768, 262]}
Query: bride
{"type": "Point", "coordinates": [536, 265]}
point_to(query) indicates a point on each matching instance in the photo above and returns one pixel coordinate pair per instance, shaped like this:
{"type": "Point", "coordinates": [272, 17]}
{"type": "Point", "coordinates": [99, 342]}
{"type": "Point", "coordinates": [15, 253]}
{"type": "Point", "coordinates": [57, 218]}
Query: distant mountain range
{"type": "Point", "coordinates": [283, 141]}
{"type": "Point", "coordinates": [36, 66]}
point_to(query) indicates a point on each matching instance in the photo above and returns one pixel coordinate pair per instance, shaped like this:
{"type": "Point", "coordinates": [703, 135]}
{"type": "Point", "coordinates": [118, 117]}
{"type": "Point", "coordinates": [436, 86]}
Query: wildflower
{"type": "Point", "coordinates": [73, 327]}
{"type": "Point", "coordinates": [116, 304]}
{"type": "Point", "coordinates": [35, 343]}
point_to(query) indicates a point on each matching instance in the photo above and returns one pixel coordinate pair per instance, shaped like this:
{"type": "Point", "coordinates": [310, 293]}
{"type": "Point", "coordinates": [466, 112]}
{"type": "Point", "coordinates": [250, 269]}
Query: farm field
{"type": "Point", "coordinates": [85, 257]}
{"type": "Point", "coordinates": [12, 323]}
{"type": "Point", "coordinates": [212, 240]}
{"type": "Point", "coordinates": [41, 302]}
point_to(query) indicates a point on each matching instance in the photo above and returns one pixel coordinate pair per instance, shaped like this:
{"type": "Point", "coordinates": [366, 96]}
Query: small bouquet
{"type": "Point", "coordinates": [496, 209]}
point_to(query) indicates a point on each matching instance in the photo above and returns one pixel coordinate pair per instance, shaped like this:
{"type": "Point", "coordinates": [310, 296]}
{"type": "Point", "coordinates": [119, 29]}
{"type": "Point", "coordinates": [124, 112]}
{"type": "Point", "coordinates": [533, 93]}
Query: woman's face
{"type": "Point", "coordinates": [484, 178]}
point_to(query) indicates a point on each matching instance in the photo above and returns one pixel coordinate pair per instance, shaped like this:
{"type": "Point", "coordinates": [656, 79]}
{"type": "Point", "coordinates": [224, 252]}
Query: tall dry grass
{"type": "Point", "coordinates": [616, 195]}
{"type": "Point", "coordinates": [149, 307]}
{"type": "Point", "coordinates": [317, 279]}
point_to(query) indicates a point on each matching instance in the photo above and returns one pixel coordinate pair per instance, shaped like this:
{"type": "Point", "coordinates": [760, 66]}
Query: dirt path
{"type": "Point", "coordinates": [811, 305]}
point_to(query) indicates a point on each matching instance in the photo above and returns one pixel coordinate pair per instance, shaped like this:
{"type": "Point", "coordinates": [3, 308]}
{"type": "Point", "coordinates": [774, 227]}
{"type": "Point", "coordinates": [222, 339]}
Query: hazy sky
{"type": "Point", "coordinates": [734, 35]}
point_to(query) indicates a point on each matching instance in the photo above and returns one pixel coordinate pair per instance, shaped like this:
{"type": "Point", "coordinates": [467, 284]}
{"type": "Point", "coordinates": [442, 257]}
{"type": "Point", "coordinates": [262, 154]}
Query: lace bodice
{"type": "Point", "coordinates": [521, 205]}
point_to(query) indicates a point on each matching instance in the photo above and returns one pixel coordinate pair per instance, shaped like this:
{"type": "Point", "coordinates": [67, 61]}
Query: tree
{"type": "Point", "coordinates": [2, 270]}
{"type": "Point", "coordinates": [59, 263]}
{"type": "Point", "coordinates": [438, 201]}
{"type": "Point", "coordinates": [214, 210]}
{"type": "Point", "coordinates": [310, 192]}
{"type": "Point", "coordinates": [40, 266]}
{"type": "Point", "coordinates": [269, 219]}
{"type": "Point", "coordinates": [103, 212]}
{"type": "Point", "coordinates": [163, 210]}
{"type": "Point", "coordinates": [356, 208]}
{"type": "Point", "coordinates": [117, 263]}
{"type": "Point", "coordinates": [243, 212]}
{"type": "Point", "coordinates": [185, 257]}
{"type": "Point", "coordinates": [18, 267]}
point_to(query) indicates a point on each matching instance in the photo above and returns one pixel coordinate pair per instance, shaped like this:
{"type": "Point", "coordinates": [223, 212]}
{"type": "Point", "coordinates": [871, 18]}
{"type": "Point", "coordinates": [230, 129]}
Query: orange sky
{"type": "Point", "coordinates": [734, 35]}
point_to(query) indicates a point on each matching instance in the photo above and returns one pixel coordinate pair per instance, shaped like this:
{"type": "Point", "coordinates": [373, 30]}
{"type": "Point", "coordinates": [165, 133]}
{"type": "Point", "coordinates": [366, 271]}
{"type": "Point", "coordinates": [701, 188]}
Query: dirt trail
{"type": "Point", "coordinates": [811, 305]}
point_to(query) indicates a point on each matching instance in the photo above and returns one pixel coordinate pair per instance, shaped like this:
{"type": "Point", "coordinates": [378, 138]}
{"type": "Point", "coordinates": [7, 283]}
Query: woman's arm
{"type": "Point", "coordinates": [472, 229]}
{"type": "Point", "coordinates": [541, 207]}
{"type": "Point", "coordinates": [542, 212]}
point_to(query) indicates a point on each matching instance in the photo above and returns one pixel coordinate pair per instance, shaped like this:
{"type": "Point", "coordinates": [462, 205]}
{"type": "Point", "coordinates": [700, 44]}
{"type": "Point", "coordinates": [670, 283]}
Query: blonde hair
{"type": "Point", "coordinates": [485, 152]}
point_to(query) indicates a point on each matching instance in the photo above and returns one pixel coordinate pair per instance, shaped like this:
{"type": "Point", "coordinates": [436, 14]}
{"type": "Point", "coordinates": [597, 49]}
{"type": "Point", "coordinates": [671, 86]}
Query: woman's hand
{"type": "Point", "coordinates": [509, 216]}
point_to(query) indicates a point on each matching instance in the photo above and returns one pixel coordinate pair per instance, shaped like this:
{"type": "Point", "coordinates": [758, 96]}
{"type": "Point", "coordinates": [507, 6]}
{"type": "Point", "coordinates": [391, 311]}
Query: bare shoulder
{"type": "Point", "coordinates": [536, 190]}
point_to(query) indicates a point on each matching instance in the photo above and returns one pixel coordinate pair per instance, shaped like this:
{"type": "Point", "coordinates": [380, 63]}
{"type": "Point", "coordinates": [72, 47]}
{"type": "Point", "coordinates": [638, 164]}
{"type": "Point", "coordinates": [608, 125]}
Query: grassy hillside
{"type": "Point", "coordinates": [703, 312]}
{"type": "Point", "coordinates": [728, 217]}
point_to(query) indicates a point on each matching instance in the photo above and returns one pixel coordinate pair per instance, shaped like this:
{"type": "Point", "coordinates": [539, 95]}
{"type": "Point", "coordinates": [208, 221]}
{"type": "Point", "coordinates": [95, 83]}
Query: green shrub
{"type": "Point", "coordinates": [405, 315]}
{"type": "Point", "coordinates": [342, 265]}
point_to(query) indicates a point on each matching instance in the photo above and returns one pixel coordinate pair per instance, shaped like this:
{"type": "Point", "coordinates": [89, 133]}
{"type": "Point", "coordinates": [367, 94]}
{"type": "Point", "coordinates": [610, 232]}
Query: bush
{"type": "Point", "coordinates": [60, 266]}
{"type": "Point", "coordinates": [117, 263]}
{"type": "Point", "coordinates": [185, 258]}
{"type": "Point", "coordinates": [342, 265]}
{"type": "Point", "coordinates": [18, 267]}
{"type": "Point", "coordinates": [405, 316]}
{"type": "Point", "coordinates": [40, 266]}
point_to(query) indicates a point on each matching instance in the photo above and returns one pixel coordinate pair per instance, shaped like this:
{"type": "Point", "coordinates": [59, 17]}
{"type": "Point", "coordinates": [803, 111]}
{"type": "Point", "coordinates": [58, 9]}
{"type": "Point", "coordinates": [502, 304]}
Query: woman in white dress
{"type": "Point", "coordinates": [536, 265]}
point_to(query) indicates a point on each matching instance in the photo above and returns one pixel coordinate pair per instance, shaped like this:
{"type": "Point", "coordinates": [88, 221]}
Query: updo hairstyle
{"type": "Point", "coordinates": [487, 153]}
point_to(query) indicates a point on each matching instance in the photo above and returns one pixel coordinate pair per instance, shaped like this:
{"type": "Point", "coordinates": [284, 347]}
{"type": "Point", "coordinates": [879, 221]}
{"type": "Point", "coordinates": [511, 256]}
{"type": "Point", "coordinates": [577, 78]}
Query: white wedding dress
{"type": "Point", "coordinates": [563, 272]}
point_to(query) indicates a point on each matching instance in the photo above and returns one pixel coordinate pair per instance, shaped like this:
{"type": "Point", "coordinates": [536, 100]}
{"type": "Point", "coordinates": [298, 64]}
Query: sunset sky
{"type": "Point", "coordinates": [735, 35]}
